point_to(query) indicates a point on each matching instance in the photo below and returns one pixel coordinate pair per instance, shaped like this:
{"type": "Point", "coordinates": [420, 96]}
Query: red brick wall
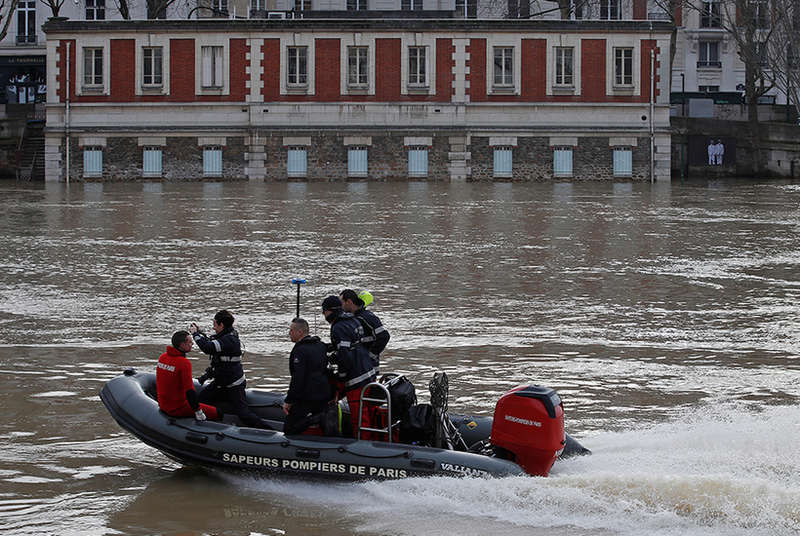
{"type": "Point", "coordinates": [272, 70]}
{"type": "Point", "coordinates": [640, 9]}
{"type": "Point", "coordinates": [534, 69]}
{"type": "Point", "coordinates": [593, 70]}
{"type": "Point", "coordinates": [387, 69]}
{"type": "Point", "coordinates": [477, 70]}
{"type": "Point", "coordinates": [181, 65]}
{"type": "Point", "coordinates": [62, 70]}
{"type": "Point", "coordinates": [679, 16]}
{"type": "Point", "coordinates": [238, 73]}
{"type": "Point", "coordinates": [444, 70]}
{"type": "Point", "coordinates": [327, 64]}
{"type": "Point", "coordinates": [123, 70]}
{"type": "Point", "coordinates": [647, 46]}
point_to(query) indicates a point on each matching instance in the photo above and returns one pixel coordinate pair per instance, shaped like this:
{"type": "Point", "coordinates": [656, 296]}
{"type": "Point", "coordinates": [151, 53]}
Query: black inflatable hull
{"type": "Point", "coordinates": [216, 444]}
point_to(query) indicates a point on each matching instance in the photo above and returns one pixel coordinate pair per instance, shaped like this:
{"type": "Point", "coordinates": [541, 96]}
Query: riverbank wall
{"type": "Point", "coordinates": [691, 155]}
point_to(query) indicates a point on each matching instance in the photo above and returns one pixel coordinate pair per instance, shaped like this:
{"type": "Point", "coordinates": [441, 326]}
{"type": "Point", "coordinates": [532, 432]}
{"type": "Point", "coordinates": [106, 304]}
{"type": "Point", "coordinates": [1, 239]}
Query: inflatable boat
{"type": "Point", "coordinates": [526, 436]}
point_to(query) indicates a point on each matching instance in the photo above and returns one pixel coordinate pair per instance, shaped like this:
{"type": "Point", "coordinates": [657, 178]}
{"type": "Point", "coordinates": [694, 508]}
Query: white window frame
{"type": "Point", "coordinates": [92, 156]}
{"type": "Point", "coordinates": [704, 48]}
{"type": "Point", "coordinates": [358, 67]}
{"type": "Point", "coordinates": [417, 66]}
{"type": "Point", "coordinates": [623, 77]}
{"type": "Point", "coordinates": [356, 5]}
{"type": "Point", "coordinates": [151, 41]}
{"type": "Point", "coordinates": [578, 9]}
{"type": "Point", "coordinates": [95, 10]}
{"type": "Point", "coordinates": [297, 161]}
{"type": "Point", "coordinates": [357, 161]}
{"type": "Point", "coordinates": [418, 156]}
{"type": "Point", "coordinates": [506, 55]}
{"type": "Point", "coordinates": [411, 5]}
{"type": "Point", "coordinates": [212, 161]}
{"type": "Point", "coordinates": [563, 156]}
{"type": "Point", "coordinates": [565, 40]}
{"type": "Point", "coordinates": [623, 161]}
{"type": "Point", "coordinates": [212, 59]}
{"type": "Point", "coordinates": [93, 80]}
{"type": "Point", "coordinates": [564, 57]}
{"type": "Point", "coordinates": [201, 87]}
{"type": "Point", "coordinates": [710, 14]}
{"type": "Point", "coordinates": [612, 7]}
{"type": "Point", "coordinates": [297, 40]}
{"type": "Point", "coordinates": [357, 40]}
{"type": "Point", "coordinates": [26, 22]}
{"type": "Point", "coordinates": [428, 42]}
{"type": "Point", "coordinates": [155, 80]}
{"type": "Point", "coordinates": [765, 18]}
{"type": "Point", "coordinates": [503, 165]}
{"type": "Point", "coordinates": [294, 55]}
{"type": "Point", "coordinates": [152, 161]}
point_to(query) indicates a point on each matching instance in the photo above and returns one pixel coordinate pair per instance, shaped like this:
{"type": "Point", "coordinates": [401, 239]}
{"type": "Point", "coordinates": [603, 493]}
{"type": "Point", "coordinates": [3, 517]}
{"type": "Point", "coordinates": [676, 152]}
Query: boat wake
{"type": "Point", "coordinates": [724, 472]}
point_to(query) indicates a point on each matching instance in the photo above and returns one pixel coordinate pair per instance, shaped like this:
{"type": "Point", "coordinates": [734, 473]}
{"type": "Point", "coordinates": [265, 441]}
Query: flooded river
{"type": "Point", "coordinates": [666, 316]}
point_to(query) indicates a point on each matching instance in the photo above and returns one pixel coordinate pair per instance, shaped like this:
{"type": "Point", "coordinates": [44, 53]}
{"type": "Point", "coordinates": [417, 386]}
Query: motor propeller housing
{"type": "Point", "coordinates": [528, 428]}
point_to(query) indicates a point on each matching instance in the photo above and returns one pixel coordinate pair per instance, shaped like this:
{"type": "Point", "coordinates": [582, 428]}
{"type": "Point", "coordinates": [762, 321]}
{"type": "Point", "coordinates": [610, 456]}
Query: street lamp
{"type": "Point", "coordinates": [683, 94]}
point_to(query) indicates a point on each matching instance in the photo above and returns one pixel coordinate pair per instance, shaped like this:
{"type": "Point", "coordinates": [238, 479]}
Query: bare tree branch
{"type": "Point", "coordinates": [6, 14]}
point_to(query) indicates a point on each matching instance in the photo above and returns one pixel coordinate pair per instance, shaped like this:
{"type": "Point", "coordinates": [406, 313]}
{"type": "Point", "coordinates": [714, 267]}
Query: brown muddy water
{"type": "Point", "coordinates": [666, 316]}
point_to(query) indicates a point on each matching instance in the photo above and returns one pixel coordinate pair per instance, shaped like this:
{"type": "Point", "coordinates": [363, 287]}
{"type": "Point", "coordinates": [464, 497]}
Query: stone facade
{"type": "Point", "coordinates": [593, 159]}
{"type": "Point", "coordinates": [264, 156]}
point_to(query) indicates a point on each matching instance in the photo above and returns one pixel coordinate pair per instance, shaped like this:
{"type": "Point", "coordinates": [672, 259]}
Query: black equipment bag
{"type": "Point", "coordinates": [420, 426]}
{"type": "Point", "coordinates": [402, 394]}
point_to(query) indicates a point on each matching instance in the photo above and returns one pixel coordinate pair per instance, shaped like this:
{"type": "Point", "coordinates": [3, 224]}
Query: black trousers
{"type": "Point", "coordinates": [233, 400]}
{"type": "Point", "coordinates": [302, 415]}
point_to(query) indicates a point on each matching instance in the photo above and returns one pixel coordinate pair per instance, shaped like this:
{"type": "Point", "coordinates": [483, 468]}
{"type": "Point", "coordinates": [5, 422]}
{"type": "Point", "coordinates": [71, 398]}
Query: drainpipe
{"type": "Point", "coordinates": [652, 108]}
{"type": "Point", "coordinates": [66, 120]}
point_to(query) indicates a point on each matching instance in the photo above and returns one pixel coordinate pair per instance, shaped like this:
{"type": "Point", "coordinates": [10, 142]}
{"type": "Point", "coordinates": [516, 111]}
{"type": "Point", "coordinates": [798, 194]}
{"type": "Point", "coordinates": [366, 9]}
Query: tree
{"type": "Point", "coordinates": [782, 57]}
{"type": "Point", "coordinates": [7, 9]}
{"type": "Point", "coordinates": [750, 25]}
{"type": "Point", "coordinates": [54, 5]}
{"type": "Point", "coordinates": [156, 9]}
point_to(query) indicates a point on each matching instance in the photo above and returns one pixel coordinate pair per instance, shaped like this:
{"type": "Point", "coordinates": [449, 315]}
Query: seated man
{"type": "Point", "coordinates": [174, 385]}
{"type": "Point", "coordinates": [309, 389]}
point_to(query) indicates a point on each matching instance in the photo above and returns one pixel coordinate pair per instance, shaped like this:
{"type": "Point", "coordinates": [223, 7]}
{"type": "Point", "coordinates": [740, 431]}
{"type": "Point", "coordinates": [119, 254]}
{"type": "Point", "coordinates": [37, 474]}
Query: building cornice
{"type": "Point", "coordinates": [54, 27]}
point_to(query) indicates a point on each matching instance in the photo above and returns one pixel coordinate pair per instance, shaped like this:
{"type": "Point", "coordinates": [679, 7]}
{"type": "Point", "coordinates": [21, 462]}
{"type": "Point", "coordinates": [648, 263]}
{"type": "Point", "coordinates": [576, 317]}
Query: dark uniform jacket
{"type": "Point", "coordinates": [225, 350]}
{"type": "Point", "coordinates": [376, 337]}
{"type": "Point", "coordinates": [308, 366]}
{"type": "Point", "coordinates": [355, 366]}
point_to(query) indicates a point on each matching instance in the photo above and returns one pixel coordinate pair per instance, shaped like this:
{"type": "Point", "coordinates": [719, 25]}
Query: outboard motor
{"type": "Point", "coordinates": [528, 428]}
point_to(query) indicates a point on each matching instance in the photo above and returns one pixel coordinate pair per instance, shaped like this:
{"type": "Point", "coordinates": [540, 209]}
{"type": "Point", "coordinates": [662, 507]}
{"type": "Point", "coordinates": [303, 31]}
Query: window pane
{"type": "Point", "coordinates": [502, 161]}
{"type": "Point", "coordinates": [357, 161]}
{"type": "Point", "coordinates": [92, 161]}
{"type": "Point", "coordinates": [151, 162]}
{"type": "Point", "coordinates": [418, 161]}
{"type": "Point", "coordinates": [623, 162]}
{"type": "Point", "coordinates": [296, 162]}
{"type": "Point", "coordinates": [212, 161]}
{"type": "Point", "coordinates": [562, 161]}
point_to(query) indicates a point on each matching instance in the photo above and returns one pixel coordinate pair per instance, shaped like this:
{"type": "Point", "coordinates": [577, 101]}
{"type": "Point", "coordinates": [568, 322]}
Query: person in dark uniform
{"type": "Point", "coordinates": [174, 385]}
{"type": "Point", "coordinates": [354, 365]}
{"type": "Point", "coordinates": [309, 389]}
{"type": "Point", "coordinates": [226, 369]}
{"type": "Point", "coordinates": [376, 337]}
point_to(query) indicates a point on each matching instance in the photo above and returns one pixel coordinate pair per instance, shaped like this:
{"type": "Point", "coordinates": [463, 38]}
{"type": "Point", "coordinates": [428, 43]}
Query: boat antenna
{"type": "Point", "coordinates": [298, 281]}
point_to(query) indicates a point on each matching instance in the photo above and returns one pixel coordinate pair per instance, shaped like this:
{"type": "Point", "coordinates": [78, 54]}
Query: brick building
{"type": "Point", "coordinates": [378, 99]}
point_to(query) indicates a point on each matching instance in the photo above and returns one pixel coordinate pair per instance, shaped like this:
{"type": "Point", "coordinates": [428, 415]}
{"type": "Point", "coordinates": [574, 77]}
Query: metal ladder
{"type": "Point", "coordinates": [388, 401]}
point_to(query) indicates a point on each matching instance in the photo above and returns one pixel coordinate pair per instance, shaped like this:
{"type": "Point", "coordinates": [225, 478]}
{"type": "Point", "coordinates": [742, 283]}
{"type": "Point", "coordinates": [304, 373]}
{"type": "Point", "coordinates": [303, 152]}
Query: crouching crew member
{"type": "Point", "coordinates": [174, 385]}
{"type": "Point", "coordinates": [354, 365]}
{"type": "Point", "coordinates": [309, 388]}
{"type": "Point", "coordinates": [376, 337]}
{"type": "Point", "coordinates": [226, 369]}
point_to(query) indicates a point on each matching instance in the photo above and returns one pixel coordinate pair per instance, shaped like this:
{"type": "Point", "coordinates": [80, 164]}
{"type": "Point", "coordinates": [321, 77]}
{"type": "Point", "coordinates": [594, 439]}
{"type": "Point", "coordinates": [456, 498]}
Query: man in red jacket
{"type": "Point", "coordinates": [176, 394]}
